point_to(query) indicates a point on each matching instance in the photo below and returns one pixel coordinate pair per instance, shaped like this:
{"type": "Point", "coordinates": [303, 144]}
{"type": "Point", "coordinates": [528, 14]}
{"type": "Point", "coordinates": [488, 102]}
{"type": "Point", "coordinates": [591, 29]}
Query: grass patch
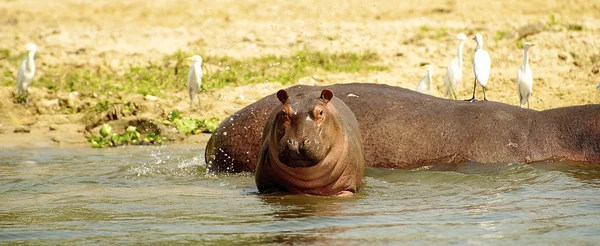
{"type": "Point", "coordinates": [286, 69]}
{"type": "Point", "coordinates": [519, 44]}
{"type": "Point", "coordinates": [433, 33]}
{"type": "Point", "coordinates": [500, 35]}
{"type": "Point", "coordinates": [4, 54]}
{"type": "Point", "coordinates": [553, 20]}
{"type": "Point", "coordinates": [575, 27]}
{"type": "Point", "coordinates": [425, 29]}
{"type": "Point", "coordinates": [170, 74]}
{"type": "Point", "coordinates": [441, 32]}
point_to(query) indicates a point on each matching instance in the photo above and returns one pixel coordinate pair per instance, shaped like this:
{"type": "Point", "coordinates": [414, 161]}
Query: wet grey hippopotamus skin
{"type": "Point", "coordinates": [405, 129]}
{"type": "Point", "coordinates": [311, 144]}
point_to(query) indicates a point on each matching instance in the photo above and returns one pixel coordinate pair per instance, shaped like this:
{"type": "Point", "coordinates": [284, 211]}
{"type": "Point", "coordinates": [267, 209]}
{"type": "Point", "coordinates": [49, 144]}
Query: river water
{"type": "Point", "coordinates": [163, 195]}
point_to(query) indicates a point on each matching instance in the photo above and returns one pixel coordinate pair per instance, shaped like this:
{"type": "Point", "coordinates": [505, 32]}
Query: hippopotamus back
{"type": "Point", "coordinates": [405, 129]}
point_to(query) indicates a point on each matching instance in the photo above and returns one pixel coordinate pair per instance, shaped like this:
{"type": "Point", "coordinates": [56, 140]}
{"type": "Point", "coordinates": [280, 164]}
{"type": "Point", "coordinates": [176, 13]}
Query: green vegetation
{"type": "Point", "coordinates": [575, 27]}
{"type": "Point", "coordinates": [433, 33]}
{"type": "Point", "coordinates": [425, 29]}
{"type": "Point", "coordinates": [170, 74]}
{"type": "Point", "coordinates": [130, 136]}
{"type": "Point", "coordinates": [519, 43]}
{"type": "Point", "coordinates": [441, 32]}
{"type": "Point", "coordinates": [552, 20]}
{"type": "Point", "coordinates": [500, 35]}
{"type": "Point", "coordinates": [187, 125]}
{"type": "Point", "coordinates": [555, 20]}
{"type": "Point", "coordinates": [4, 54]}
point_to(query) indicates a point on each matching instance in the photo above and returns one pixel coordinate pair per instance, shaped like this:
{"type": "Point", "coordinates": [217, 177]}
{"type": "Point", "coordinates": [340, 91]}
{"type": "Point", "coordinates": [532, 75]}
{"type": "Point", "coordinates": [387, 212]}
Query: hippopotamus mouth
{"type": "Point", "coordinates": [294, 159]}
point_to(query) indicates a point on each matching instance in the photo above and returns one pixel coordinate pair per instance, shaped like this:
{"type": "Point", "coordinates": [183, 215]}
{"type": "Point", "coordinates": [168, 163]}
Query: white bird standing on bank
{"type": "Point", "coordinates": [525, 77]}
{"type": "Point", "coordinates": [26, 70]}
{"type": "Point", "coordinates": [481, 66]}
{"type": "Point", "coordinates": [453, 77]}
{"type": "Point", "coordinates": [195, 79]}
{"type": "Point", "coordinates": [424, 85]}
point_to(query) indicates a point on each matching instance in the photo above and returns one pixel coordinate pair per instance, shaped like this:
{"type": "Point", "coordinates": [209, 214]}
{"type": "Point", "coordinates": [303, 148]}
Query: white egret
{"type": "Point", "coordinates": [424, 85]}
{"type": "Point", "coordinates": [481, 66]}
{"type": "Point", "coordinates": [525, 77]}
{"type": "Point", "coordinates": [26, 70]}
{"type": "Point", "coordinates": [453, 77]}
{"type": "Point", "coordinates": [195, 79]}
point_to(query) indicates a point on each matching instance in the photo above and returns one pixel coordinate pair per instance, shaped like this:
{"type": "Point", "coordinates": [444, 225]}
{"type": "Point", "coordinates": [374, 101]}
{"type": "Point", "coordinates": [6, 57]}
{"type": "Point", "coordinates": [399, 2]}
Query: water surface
{"type": "Point", "coordinates": [164, 195]}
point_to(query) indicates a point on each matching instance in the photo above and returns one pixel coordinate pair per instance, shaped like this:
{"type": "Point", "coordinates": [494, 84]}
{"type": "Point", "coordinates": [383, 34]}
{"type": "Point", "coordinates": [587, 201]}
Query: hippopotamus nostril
{"type": "Point", "coordinates": [293, 144]}
{"type": "Point", "coordinates": [306, 142]}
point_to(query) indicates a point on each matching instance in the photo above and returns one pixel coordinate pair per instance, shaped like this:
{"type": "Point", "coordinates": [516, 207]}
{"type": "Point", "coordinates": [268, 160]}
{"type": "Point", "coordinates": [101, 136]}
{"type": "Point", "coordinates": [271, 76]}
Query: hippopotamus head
{"type": "Point", "coordinates": [304, 128]}
{"type": "Point", "coordinates": [311, 144]}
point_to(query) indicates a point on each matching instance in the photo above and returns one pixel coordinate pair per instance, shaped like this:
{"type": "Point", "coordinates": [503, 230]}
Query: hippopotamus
{"type": "Point", "coordinates": [311, 144]}
{"type": "Point", "coordinates": [404, 129]}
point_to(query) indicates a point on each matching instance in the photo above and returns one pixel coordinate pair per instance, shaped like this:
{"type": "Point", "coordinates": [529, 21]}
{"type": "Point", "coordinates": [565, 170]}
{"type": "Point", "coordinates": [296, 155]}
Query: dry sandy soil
{"type": "Point", "coordinates": [406, 34]}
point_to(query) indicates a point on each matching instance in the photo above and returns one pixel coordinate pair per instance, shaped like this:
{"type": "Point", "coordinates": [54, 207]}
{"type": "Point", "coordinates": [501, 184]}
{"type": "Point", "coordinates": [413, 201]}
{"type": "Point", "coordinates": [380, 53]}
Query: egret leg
{"type": "Point", "coordinates": [527, 103]}
{"type": "Point", "coordinates": [474, 88]}
{"type": "Point", "coordinates": [484, 98]}
{"type": "Point", "coordinates": [452, 93]}
{"type": "Point", "coordinates": [198, 96]}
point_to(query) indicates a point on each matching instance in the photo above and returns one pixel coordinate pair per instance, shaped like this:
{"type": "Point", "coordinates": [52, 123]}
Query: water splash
{"type": "Point", "coordinates": [169, 162]}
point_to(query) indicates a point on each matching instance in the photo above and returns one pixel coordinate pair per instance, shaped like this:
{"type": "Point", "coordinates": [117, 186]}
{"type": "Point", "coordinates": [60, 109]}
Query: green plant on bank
{"type": "Point", "coordinates": [519, 43]}
{"type": "Point", "coordinates": [186, 125]}
{"type": "Point", "coordinates": [500, 35]}
{"type": "Point", "coordinates": [170, 74]}
{"type": "Point", "coordinates": [433, 33]}
{"type": "Point", "coordinates": [130, 136]}
{"type": "Point", "coordinates": [552, 20]}
{"type": "Point", "coordinates": [575, 27]}
{"type": "Point", "coordinates": [555, 20]}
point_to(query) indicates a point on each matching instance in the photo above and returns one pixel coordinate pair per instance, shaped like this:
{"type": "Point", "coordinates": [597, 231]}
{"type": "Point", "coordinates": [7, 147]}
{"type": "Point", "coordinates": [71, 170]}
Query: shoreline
{"type": "Point", "coordinates": [89, 47]}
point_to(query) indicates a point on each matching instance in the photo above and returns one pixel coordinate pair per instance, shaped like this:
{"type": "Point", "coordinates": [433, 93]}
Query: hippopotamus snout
{"type": "Point", "coordinates": [298, 146]}
{"type": "Point", "coordinates": [298, 152]}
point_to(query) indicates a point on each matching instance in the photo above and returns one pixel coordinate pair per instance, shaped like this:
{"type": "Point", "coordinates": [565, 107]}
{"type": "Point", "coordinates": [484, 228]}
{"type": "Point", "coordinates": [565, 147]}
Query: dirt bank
{"type": "Point", "coordinates": [116, 35]}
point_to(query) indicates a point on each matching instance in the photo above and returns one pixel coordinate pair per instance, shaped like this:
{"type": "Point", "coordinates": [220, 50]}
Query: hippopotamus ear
{"type": "Point", "coordinates": [326, 95]}
{"type": "Point", "coordinates": [282, 96]}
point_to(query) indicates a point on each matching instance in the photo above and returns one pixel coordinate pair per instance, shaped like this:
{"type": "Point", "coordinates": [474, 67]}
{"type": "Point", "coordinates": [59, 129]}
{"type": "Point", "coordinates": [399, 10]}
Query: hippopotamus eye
{"type": "Point", "coordinates": [319, 113]}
